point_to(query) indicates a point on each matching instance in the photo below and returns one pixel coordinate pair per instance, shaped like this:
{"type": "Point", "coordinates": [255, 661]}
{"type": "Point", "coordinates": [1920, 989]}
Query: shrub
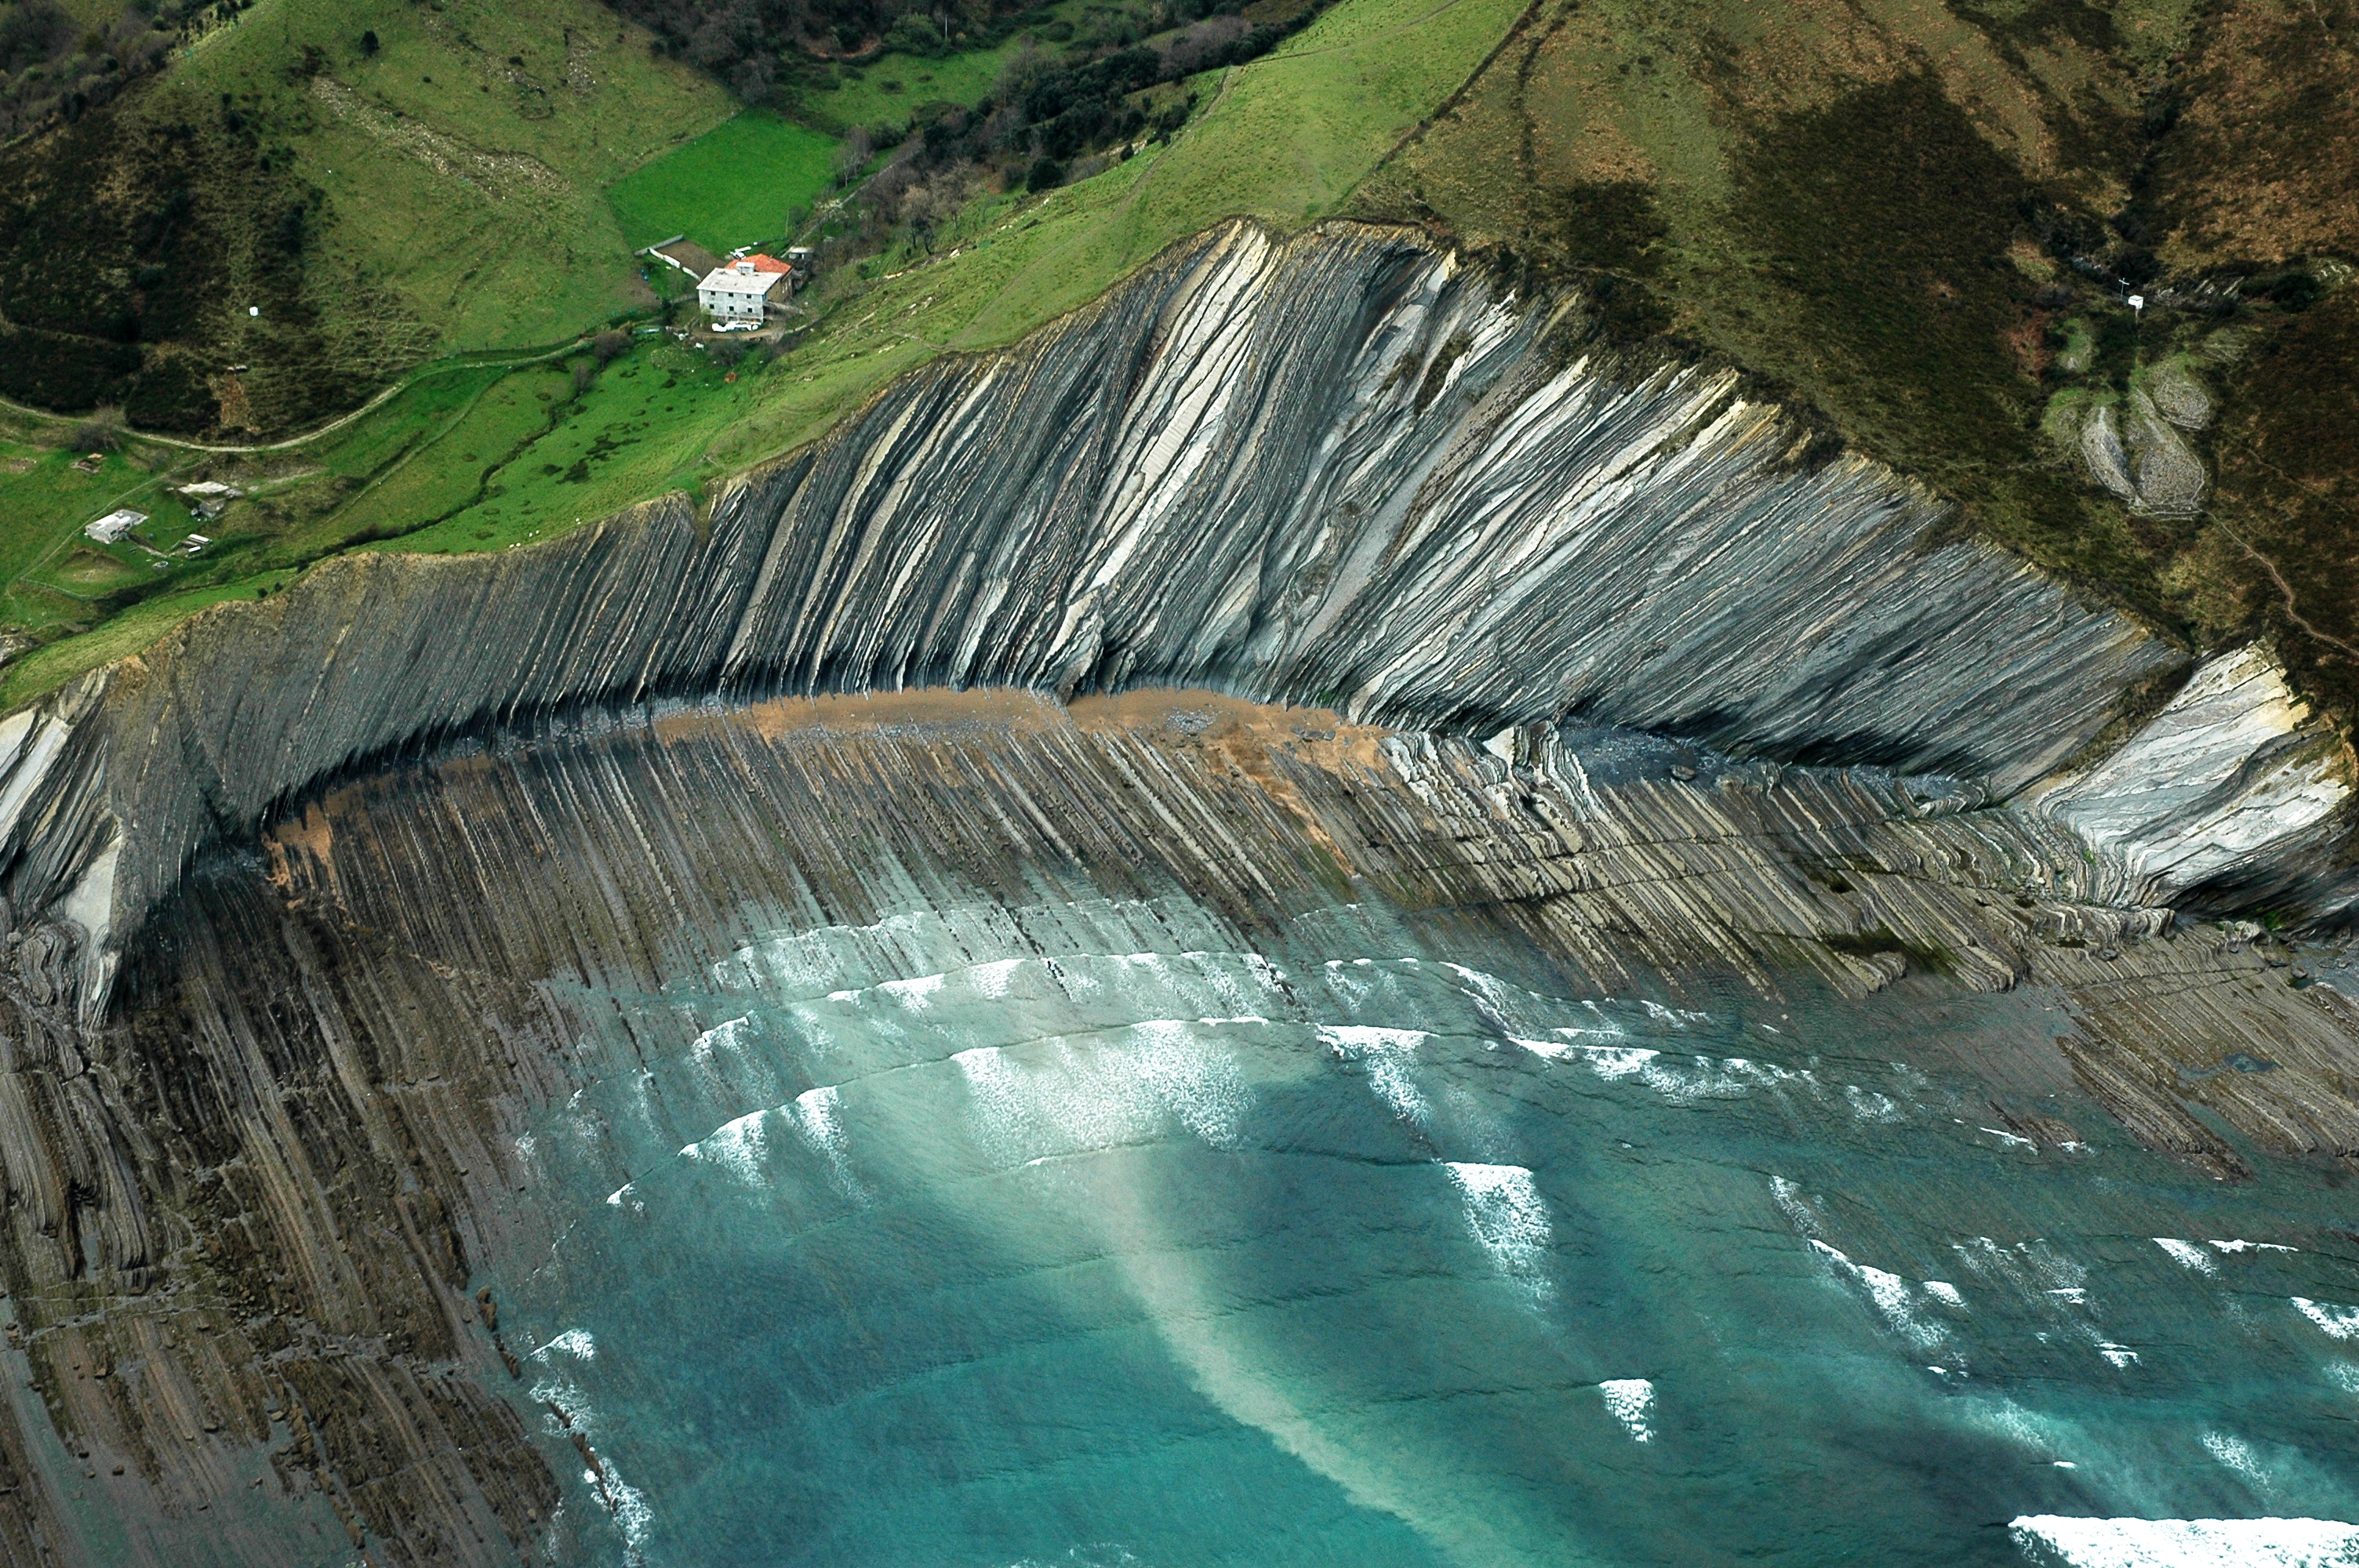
{"type": "Point", "coordinates": [102, 432]}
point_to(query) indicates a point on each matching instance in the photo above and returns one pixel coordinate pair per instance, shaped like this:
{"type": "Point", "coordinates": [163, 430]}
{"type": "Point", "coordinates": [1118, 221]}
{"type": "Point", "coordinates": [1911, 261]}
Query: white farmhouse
{"type": "Point", "coordinates": [742, 290]}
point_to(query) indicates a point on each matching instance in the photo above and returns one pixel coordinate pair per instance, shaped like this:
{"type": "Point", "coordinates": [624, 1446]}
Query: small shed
{"type": "Point", "coordinates": [115, 524]}
{"type": "Point", "coordinates": [206, 498]}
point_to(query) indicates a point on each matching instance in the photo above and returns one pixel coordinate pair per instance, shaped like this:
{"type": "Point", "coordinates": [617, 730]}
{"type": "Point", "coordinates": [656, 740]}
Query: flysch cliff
{"type": "Point", "coordinates": [249, 1215]}
{"type": "Point", "coordinates": [1343, 469]}
{"type": "Point", "coordinates": [269, 1050]}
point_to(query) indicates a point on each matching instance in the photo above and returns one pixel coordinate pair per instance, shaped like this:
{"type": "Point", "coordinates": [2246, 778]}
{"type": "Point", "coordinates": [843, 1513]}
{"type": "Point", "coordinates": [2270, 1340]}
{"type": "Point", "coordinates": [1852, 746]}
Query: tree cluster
{"type": "Point", "coordinates": [53, 68]}
{"type": "Point", "coordinates": [1051, 119]}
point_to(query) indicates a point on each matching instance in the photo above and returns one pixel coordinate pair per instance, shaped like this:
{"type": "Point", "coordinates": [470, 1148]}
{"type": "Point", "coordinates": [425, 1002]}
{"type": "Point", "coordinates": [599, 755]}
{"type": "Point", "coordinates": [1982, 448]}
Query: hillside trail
{"type": "Point", "coordinates": [332, 427]}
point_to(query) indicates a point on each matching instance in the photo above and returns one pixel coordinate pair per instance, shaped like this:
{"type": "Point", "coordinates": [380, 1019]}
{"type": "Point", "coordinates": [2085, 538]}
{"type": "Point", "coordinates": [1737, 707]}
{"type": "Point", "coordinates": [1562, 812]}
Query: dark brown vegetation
{"type": "Point", "coordinates": [54, 68]}
{"type": "Point", "coordinates": [148, 253]}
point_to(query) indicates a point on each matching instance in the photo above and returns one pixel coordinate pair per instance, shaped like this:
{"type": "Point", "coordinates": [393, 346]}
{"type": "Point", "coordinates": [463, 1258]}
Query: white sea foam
{"type": "Point", "coordinates": [1613, 1062]}
{"type": "Point", "coordinates": [2120, 1356]}
{"type": "Point", "coordinates": [720, 1037]}
{"type": "Point", "coordinates": [916, 993]}
{"type": "Point", "coordinates": [992, 980]}
{"type": "Point", "coordinates": [574, 1342]}
{"type": "Point", "coordinates": [1387, 1055]}
{"type": "Point", "coordinates": [1998, 1414]}
{"type": "Point", "coordinates": [628, 1505]}
{"type": "Point", "coordinates": [2339, 1322]}
{"type": "Point", "coordinates": [1901, 1305]}
{"type": "Point", "coordinates": [1196, 1081]}
{"type": "Point", "coordinates": [736, 1147]}
{"type": "Point", "coordinates": [2253, 1246]}
{"type": "Point", "coordinates": [571, 1411]}
{"type": "Point", "coordinates": [2061, 1542]}
{"type": "Point", "coordinates": [816, 1118]}
{"type": "Point", "coordinates": [1796, 1208]}
{"type": "Point", "coordinates": [1000, 1111]}
{"type": "Point", "coordinates": [2238, 1455]}
{"type": "Point", "coordinates": [2188, 1254]}
{"type": "Point", "coordinates": [816, 1114]}
{"type": "Point", "coordinates": [1489, 994]}
{"type": "Point", "coordinates": [1869, 1106]}
{"type": "Point", "coordinates": [1631, 1401]}
{"type": "Point", "coordinates": [1505, 1211]}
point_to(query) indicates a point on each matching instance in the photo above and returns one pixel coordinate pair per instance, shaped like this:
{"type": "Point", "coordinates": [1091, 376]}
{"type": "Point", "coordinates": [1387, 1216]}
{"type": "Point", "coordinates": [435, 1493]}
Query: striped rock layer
{"type": "Point", "coordinates": [1343, 469]}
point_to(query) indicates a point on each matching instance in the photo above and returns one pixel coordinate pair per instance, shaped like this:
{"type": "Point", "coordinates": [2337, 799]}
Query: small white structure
{"type": "Point", "coordinates": [208, 497]}
{"type": "Point", "coordinates": [742, 290]}
{"type": "Point", "coordinates": [115, 524]}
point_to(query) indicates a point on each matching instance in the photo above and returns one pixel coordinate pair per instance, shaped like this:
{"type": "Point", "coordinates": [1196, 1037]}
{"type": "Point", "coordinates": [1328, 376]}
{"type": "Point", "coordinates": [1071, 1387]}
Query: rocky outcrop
{"type": "Point", "coordinates": [1343, 470]}
{"type": "Point", "coordinates": [250, 1216]}
{"type": "Point", "coordinates": [265, 1057]}
{"type": "Point", "coordinates": [2234, 786]}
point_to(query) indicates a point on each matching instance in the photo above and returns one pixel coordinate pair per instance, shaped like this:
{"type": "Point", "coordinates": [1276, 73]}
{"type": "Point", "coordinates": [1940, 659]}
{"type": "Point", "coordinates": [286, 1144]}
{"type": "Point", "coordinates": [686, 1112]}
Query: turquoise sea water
{"type": "Point", "coordinates": [1090, 1233]}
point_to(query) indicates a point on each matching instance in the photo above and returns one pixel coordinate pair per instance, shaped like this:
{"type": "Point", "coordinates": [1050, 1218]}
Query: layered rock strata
{"type": "Point", "coordinates": [1343, 470]}
{"type": "Point", "coordinates": [246, 1214]}
{"type": "Point", "coordinates": [258, 1123]}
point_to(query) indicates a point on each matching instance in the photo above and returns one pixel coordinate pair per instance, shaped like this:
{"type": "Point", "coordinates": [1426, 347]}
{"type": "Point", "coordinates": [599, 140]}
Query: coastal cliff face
{"type": "Point", "coordinates": [354, 934]}
{"type": "Point", "coordinates": [305, 1234]}
{"type": "Point", "coordinates": [1342, 470]}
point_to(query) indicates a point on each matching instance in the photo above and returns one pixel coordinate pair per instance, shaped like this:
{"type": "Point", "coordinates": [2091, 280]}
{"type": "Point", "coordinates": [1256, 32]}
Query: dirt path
{"type": "Point", "coordinates": [332, 427]}
{"type": "Point", "coordinates": [2285, 589]}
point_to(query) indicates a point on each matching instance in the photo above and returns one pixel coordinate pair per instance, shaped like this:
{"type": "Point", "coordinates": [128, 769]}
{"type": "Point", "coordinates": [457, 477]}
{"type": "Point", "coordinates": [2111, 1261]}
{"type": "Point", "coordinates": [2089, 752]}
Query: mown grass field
{"type": "Point", "coordinates": [746, 181]}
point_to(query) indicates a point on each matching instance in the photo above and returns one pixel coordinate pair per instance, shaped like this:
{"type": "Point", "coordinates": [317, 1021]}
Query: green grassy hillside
{"type": "Point", "coordinates": [325, 194]}
{"type": "Point", "coordinates": [464, 163]}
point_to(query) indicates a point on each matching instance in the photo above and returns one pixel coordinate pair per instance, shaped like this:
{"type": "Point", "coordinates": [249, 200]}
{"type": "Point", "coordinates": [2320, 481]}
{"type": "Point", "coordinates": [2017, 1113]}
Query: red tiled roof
{"type": "Point", "coordinates": [766, 263]}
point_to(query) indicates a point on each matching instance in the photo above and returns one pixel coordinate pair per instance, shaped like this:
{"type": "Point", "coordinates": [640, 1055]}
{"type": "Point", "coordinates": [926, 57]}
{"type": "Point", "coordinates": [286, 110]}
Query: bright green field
{"type": "Point", "coordinates": [743, 182]}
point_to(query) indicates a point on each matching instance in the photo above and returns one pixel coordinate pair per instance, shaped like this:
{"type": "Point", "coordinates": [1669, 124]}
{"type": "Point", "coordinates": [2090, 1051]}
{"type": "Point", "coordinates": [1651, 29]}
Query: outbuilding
{"type": "Point", "coordinates": [115, 524]}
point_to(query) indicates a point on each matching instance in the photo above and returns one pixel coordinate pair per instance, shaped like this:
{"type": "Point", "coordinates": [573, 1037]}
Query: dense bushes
{"type": "Point", "coordinates": [53, 68]}
{"type": "Point", "coordinates": [1047, 113]}
{"type": "Point", "coordinates": [132, 242]}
